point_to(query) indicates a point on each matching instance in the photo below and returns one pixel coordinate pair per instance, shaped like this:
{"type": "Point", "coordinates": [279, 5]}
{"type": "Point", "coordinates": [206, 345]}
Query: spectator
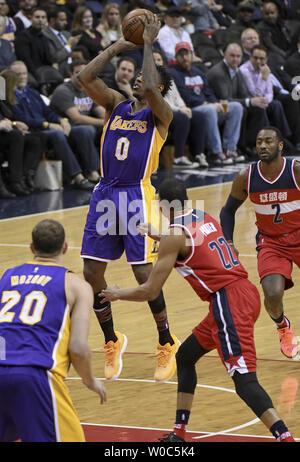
{"type": "Point", "coordinates": [290, 9]}
{"type": "Point", "coordinates": [249, 37]}
{"type": "Point", "coordinates": [172, 33]}
{"type": "Point", "coordinates": [274, 33]}
{"type": "Point", "coordinates": [257, 76]}
{"type": "Point", "coordinates": [32, 143]}
{"type": "Point", "coordinates": [228, 83]}
{"type": "Point", "coordinates": [130, 5]}
{"type": "Point", "coordinates": [60, 41]}
{"type": "Point", "coordinates": [282, 86]}
{"type": "Point", "coordinates": [32, 110]}
{"type": "Point", "coordinates": [164, 5]}
{"type": "Point", "coordinates": [22, 18]}
{"type": "Point", "coordinates": [70, 6]}
{"type": "Point", "coordinates": [71, 100]}
{"type": "Point", "coordinates": [32, 47]}
{"type": "Point", "coordinates": [83, 24]}
{"type": "Point", "coordinates": [184, 123]}
{"type": "Point", "coordinates": [10, 26]}
{"type": "Point", "coordinates": [79, 52]}
{"type": "Point", "coordinates": [200, 15]}
{"type": "Point", "coordinates": [11, 150]}
{"type": "Point", "coordinates": [244, 20]}
{"type": "Point", "coordinates": [7, 54]}
{"type": "Point", "coordinates": [292, 63]}
{"type": "Point", "coordinates": [121, 80]}
{"type": "Point", "coordinates": [224, 12]}
{"type": "Point", "coordinates": [197, 95]}
{"type": "Point", "coordinates": [110, 25]}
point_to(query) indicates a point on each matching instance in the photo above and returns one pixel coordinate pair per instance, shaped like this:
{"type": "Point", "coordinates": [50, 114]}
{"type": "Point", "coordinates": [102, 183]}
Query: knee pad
{"type": "Point", "coordinates": [186, 358]}
{"type": "Point", "coordinates": [158, 304]}
{"type": "Point", "coordinates": [251, 392]}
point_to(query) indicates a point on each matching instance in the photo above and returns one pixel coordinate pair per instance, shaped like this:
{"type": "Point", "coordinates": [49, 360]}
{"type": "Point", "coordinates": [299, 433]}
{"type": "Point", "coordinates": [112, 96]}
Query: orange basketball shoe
{"type": "Point", "coordinates": [166, 361]}
{"type": "Point", "coordinates": [288, 342]}
{"type": "Point", "coordinates": [113, 356]}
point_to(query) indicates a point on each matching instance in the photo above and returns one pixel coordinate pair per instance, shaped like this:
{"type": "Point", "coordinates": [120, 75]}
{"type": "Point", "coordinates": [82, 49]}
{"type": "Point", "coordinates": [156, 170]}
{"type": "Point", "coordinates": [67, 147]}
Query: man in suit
{"type": "Point", "coordinates": [275, 33]}
{"type": "Point", "coordinates": [60, 40]}
{"type": "Point", "coordinates": [227, 82]}
{"type": "Point", "coordinates": [32, 48]}
{"type": "Point", "coordinates": [292, 64]}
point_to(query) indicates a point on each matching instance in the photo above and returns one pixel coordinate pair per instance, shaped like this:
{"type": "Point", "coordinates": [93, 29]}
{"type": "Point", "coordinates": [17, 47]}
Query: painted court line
{"type": "Point", "coordinates": [79, 248]}
{"type": "Point", "coordinates": [154, 381]}
{"type": "Point", "coordinates": [247, 424]}
{"type": "Point", "coordinates": [86, 206]}
{"type": "Point", "coordinates": [204, 434]}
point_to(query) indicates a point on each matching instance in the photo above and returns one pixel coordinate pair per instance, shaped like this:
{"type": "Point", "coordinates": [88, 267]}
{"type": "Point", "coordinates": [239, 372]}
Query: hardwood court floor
{"type": "Point", "coordinates": [136, 400]}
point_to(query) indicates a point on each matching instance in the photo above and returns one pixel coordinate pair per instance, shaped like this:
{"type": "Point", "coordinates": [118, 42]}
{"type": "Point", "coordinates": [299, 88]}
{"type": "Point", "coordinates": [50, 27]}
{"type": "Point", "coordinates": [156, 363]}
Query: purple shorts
{"type": "Point", "coordinates": [35, 406]}
{"type": "Point", "coordinates": [111, 226]}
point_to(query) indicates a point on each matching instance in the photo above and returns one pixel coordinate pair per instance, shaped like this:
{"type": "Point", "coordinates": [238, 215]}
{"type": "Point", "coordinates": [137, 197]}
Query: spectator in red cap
{"type": "Point", "coordinates": [194, 89]}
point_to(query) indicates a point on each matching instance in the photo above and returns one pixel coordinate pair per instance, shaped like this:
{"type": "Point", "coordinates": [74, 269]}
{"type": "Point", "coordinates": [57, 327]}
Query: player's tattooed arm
{"type": "Point", "coordinates": [94, 85]}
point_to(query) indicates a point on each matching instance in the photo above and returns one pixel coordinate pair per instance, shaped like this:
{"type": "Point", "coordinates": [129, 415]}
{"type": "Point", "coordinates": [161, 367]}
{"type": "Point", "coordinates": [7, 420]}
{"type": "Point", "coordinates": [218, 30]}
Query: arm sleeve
{"type": "Point", "coordinates": [227, 216]}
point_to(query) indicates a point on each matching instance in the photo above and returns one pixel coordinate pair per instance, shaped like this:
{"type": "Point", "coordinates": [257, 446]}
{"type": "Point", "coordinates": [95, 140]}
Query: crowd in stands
{"type": "Point", "coordinates": [235, 67]}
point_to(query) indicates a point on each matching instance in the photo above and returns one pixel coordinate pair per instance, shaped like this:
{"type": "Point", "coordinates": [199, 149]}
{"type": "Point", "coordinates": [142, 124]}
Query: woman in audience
{"type": "Point", "coordinates": [83, 23]}
{"type": "Point", "coordinates": [110, 25]}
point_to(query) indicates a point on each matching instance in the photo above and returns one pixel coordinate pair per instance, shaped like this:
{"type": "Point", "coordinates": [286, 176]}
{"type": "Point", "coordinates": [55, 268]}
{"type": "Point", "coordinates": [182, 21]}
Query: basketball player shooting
{"type": "Point", "coordinates": [133, 135]}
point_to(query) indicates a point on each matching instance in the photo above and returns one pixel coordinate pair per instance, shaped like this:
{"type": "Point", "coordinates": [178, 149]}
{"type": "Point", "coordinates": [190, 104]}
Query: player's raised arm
{"type": "Point", "coordinates": [152, 79]}
{"type": "Point", "coordinates": [237, 196]}
{"type": "Point", "coordinates": [94, 85]}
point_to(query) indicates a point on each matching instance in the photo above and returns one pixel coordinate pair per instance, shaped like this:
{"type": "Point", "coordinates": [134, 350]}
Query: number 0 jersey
{"type": "Point", "coordinates": [211, 264]}
{"type": "Point", "coordinates": [34, 317]}
{"type": "Point", "coordinates": [276, 202]}
{"type": "Point", "coordinates": [130, 144]}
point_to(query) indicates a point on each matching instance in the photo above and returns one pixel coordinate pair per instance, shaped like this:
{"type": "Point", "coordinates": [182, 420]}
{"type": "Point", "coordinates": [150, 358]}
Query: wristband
{"type": "Point", "coordinates": [46, 125]}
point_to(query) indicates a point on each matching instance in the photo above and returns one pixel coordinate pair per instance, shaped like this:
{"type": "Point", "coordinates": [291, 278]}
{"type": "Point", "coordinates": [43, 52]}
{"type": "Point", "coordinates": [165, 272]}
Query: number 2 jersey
{"type": "Point", "coordinates": [211, 264]}
{"type": "Point", "coordinates": [276, 202]}
{"type": "Point", "coordinates": [34, 317]}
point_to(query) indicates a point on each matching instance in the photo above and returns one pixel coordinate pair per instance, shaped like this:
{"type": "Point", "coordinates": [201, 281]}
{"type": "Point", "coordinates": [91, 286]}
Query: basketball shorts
{"type": "Point", "coordinates": [277, 255]}
{"type": "Point", "coordinates": [35, 406]}
{"type": "Point", "coordinates": [229, 326]}
{"type": "Point", "coordinates": [111, 226]}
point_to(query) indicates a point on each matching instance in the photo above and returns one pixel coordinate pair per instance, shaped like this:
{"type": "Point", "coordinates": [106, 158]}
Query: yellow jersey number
{"type": "Point", "coordinates": [32, 307]}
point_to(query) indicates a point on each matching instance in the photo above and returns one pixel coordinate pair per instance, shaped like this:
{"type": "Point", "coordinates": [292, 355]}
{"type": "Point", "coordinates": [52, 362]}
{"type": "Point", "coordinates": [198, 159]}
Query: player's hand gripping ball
{"type": "Point", "coordinates": [133, 27]}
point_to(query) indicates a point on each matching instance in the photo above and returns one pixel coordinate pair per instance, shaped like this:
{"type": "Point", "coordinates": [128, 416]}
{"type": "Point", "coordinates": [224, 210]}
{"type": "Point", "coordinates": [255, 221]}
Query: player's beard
{"type": "Point", "coordinates": [272, 157]}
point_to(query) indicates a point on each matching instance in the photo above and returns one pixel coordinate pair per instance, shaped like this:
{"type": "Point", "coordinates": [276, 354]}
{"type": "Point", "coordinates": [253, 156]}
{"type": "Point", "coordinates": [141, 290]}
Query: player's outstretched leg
{"type": "Point", "coordinates": [252, 393]}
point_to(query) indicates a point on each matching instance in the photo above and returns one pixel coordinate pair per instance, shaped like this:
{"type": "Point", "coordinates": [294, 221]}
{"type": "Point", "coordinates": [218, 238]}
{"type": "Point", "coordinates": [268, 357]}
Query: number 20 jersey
{"type": "Point", "coordinates": [211, 264]}
{"type": "Point", "coordinates": [130, 144]}
{"type": "Point", "coordinates": [35, 317]}
{"type": "Point", "coordinates": [276, 202]}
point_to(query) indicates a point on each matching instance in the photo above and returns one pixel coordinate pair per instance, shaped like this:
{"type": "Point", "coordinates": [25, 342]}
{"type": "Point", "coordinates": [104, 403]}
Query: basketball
{"type": "Point", "coordinates": [132, 26]}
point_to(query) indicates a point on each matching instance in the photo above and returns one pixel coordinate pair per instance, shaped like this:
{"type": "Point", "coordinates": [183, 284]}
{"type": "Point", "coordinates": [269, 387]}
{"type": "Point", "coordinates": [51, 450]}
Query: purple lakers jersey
{"type": "Point", "coordinates": [130, 144]}
{"type": "Point", "coordinates": [34, 317]}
